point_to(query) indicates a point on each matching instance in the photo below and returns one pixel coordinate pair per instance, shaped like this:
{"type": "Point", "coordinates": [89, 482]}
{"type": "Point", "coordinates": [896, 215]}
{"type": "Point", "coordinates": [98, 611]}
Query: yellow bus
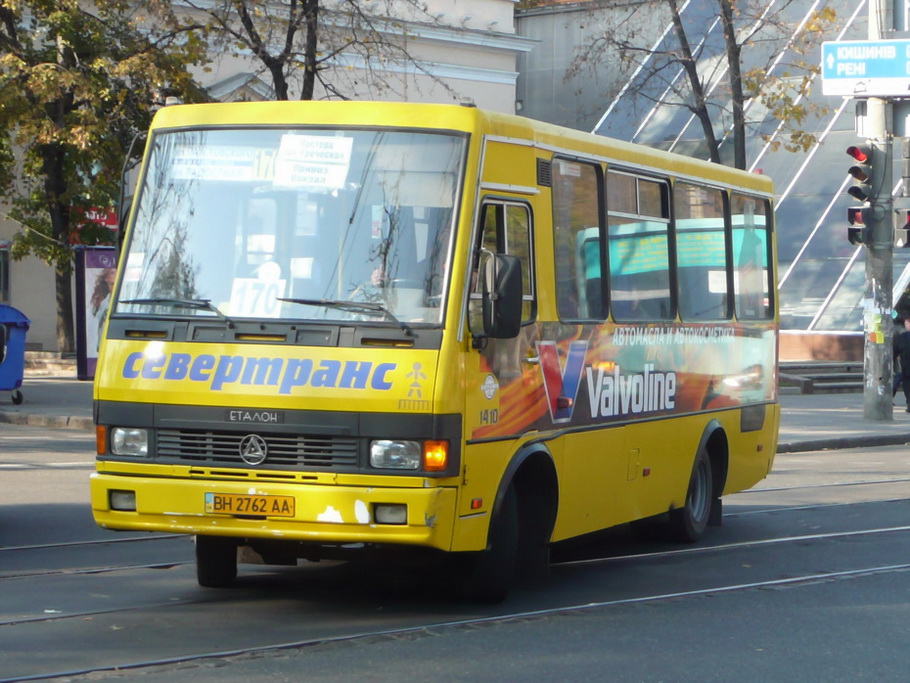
{"type": "Point", "coordinates": [341, 326]}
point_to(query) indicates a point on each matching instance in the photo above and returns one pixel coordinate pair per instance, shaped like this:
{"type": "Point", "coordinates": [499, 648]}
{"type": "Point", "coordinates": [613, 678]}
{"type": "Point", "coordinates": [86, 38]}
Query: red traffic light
{"type": "Point", "coordinates": [856, 215]}
{"type": "Point", "coordinates": [862, 153]}
{"type": "Point", "coordinates": [861, 172]}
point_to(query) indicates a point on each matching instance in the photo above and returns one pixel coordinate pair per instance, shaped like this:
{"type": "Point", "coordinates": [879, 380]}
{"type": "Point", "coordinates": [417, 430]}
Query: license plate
{"type": "Point", "coordinates": [242, 504]}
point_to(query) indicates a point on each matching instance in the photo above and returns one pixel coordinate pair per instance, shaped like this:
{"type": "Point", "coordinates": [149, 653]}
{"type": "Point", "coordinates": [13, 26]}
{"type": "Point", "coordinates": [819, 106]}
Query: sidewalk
{"type": "Point", "coordinates": [60, 402]}
{"type": "Point", "coordinates": [809, 422]}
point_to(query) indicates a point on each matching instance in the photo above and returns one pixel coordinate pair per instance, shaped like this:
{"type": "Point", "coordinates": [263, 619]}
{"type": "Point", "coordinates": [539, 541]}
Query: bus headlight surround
{"type": "Point", "coordinates": [389, 454]}
{"type": "Point", "coordinates": [130, 441]}
{"type": "Point", "coordinates": [122, 501]}
{"type": "Point", "coordinates": [390, 513]}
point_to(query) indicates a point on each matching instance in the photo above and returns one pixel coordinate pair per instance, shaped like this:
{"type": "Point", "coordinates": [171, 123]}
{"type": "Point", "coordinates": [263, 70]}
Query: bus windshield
{"type": "Point", "coordinates": [294, 224]}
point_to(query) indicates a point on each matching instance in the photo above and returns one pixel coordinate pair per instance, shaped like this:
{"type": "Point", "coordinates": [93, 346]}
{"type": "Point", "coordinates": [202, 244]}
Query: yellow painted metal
{"type": "Point", "coordinates": [324, 514]}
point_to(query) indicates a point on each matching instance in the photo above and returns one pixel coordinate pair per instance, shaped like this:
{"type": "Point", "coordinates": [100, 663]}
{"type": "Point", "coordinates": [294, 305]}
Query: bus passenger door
{"type": "Point", "coordinates": [503, 389]}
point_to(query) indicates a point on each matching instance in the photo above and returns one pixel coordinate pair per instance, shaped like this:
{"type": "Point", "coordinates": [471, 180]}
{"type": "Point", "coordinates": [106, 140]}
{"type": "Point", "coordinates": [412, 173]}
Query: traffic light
{"type": "Point", "coordinates": [902, 229]}
{"type": "Point", "coordinates": [861, 172]}
{"type": "Point", "coordinates": [859, 231]}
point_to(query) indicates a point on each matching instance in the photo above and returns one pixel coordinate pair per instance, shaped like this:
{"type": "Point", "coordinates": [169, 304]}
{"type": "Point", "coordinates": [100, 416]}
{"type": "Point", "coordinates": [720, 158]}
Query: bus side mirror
{"type": "Point", "coordinates": [123, 217]}
{"type": "Point", "coordinates": [2, 342]}
{"type": "Point", "coordinates": [501, 295]}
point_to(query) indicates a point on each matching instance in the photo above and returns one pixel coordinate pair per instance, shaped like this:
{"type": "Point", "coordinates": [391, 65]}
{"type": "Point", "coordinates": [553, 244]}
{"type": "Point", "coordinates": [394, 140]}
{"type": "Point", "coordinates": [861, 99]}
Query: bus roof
{"type": "Point", "coordinates": [459, 118]}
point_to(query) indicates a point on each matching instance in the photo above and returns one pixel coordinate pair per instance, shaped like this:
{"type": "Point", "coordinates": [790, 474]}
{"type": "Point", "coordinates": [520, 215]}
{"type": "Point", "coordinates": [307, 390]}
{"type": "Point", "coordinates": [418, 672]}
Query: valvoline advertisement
{"type": "Point", "coordinates": [612, 374]}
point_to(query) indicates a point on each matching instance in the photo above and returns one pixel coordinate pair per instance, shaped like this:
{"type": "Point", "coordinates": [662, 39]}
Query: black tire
{"type": "Point", "coordinates": [216, 561]}
{"type": "Point", "coordinates": [489, 574]}
{"type": "Point", "coordinates": [17, 397]}
{"type": "Point", "coordinates": [688, 524]}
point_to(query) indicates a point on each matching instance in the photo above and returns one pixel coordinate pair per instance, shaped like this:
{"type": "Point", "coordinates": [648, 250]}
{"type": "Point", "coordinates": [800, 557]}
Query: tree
{"type": "Point", "coordinates": [319, 48]}
{"type": "Point", "coordinates": [77, 83]}
{"type": "Point", "coordinates": [686, 68]}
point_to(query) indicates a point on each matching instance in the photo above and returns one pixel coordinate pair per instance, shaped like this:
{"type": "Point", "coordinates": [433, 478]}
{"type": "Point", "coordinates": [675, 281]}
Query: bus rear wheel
{"type": "Point", "coordinates": [489, 574]}
{"type": "Point", "coordinates": [688, 524]}
{"type": "Point", "coordinates": [216, 561]}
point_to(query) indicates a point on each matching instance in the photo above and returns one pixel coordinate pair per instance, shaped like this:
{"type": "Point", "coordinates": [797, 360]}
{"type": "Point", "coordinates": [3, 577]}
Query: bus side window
{"type": "Point", "coordinates": [638, 219]}
{"type": "Point", "coordinates": [751, 258]}
{"type": "Point", "coordinates": [701, 252]}
{"type": "Point", "coordinates": [577, 237]}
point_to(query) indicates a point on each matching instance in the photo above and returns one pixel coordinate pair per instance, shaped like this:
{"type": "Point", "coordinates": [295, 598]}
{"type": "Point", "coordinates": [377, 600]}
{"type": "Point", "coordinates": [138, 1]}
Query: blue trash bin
{"type": "Point", "coordinates": [13, 327]}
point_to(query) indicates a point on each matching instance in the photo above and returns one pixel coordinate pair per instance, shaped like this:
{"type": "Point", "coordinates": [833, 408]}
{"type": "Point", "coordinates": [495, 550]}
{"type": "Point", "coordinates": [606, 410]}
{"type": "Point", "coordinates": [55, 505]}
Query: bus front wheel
{"type": "Point", "coordinates": [688, 524]}
{"type": "Point", "coordinates": [216, 561]}
{"type": "Point", "coordinates": [488, 575]}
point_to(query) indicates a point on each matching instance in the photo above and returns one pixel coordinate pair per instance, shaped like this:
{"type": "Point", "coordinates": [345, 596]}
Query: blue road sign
{"type": "Point", "coordinates": [866, 68]}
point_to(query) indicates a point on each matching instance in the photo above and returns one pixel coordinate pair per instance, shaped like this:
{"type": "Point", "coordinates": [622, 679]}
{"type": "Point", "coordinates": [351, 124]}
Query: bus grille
{"type": "Point", "coordinates": [288, 450]}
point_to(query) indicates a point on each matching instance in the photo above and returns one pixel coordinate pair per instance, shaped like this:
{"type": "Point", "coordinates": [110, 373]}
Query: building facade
{"type": "Point", "coordinates": [821, 285]}
{"type": "Point", "coordinates": [461, 50]}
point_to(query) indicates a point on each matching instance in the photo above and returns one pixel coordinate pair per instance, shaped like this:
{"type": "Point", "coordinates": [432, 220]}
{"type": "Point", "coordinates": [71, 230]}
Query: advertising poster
{"type": "Point", "coordinates": [96, 268]}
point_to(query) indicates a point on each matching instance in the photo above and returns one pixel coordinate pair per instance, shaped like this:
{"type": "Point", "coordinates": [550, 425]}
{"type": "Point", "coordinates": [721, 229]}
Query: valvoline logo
{"type": "Point", "coordinates": [611, 393]}
{"type": "Point", "coordinates": [286, 374]}
{"type": "Point", "coordinates": [561, 383]}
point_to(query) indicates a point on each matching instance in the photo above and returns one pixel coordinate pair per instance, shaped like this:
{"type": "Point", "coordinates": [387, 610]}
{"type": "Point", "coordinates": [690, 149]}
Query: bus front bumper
{"type": "Point", "coordinates": [293, 512]}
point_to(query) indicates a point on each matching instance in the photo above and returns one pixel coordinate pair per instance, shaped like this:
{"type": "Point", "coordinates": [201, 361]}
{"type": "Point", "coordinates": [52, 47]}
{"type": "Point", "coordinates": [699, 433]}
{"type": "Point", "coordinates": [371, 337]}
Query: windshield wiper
{"type": "Point", "coordinates": [196, 304]}
{"type": "Point", "coordinates": [366, 307]}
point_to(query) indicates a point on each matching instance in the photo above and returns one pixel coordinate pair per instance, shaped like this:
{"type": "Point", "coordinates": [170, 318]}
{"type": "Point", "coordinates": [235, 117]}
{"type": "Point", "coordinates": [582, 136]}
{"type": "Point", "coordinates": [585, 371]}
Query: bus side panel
{"type": "Point", "coordinates": [665, 457]}
{"type": "Point", "coordinates": [752, 451]}
{"type": "Point", "coordinates": [484, 465]}
{"type": "Point", "coordinates": [596, 486]}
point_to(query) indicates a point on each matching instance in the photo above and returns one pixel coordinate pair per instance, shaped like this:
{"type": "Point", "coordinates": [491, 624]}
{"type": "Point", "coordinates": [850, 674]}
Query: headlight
{"type": "Point", "coordinates": [395, 455]}
{"type": "Point", "coordinates": [129, 441]}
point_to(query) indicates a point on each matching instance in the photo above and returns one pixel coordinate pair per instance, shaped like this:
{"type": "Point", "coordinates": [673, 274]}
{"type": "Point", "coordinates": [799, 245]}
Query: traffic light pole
{"type": "Point", "coordinates": [878, 363]}
{"type": "Point", "coordinates": [878, 358]}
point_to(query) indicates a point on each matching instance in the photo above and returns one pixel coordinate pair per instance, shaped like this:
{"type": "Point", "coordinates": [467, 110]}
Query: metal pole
{"type": "Point", "coordinates": [878, 363]}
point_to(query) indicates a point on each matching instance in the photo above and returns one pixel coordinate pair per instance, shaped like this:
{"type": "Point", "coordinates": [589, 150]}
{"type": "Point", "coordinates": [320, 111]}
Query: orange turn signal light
{"type": "Point", "coordinates": [101, 439]}
{"type": "Point", "coordinates": [435, 455]}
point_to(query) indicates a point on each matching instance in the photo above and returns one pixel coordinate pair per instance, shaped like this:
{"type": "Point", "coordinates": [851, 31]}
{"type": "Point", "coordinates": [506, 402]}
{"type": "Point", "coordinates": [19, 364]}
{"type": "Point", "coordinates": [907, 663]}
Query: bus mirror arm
{"type": "Point", "coordinates": [124, 202]}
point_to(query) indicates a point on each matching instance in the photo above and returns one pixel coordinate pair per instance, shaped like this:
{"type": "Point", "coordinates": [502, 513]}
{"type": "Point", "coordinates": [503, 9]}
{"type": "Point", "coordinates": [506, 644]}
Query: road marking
{"type": "Point", "coordinates": [46, 466]}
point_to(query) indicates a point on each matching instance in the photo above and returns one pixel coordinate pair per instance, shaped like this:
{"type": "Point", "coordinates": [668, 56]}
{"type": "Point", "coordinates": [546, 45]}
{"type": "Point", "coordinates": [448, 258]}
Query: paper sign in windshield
{"type": "Point", "coordinates": [313, 161]}
{"type": "Point", "coordinates": [256, 298]}
{"type": "Point", "coordinates": [217, 162]}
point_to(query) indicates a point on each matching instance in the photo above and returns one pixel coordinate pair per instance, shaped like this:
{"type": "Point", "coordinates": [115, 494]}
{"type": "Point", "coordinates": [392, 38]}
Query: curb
{"type": "Point", "coordinates": [843, 442]}
{"type": "Point", "coordinates": [49, 421]}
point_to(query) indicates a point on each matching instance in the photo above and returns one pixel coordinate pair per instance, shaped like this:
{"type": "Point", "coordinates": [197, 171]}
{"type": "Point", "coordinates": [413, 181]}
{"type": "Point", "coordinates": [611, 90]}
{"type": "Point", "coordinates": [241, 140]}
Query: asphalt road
{"type": "Point", "coordinates": [808, 579]}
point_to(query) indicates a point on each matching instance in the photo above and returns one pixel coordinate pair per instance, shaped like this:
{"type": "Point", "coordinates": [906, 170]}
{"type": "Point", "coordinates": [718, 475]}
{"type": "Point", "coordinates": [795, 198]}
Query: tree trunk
{"type": "Point", "coordinates": [736, 83]}
{"type": "Point", "coordinates": [66, 336]}
{"type": "Point", "coordinates": [276, 68]}
{"type": "Point", "coordinates": [55, 187]}
{"type": "Point", "coordinates": [311, 12]}
{"type": "Point", "coordinates": [700, 103]}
